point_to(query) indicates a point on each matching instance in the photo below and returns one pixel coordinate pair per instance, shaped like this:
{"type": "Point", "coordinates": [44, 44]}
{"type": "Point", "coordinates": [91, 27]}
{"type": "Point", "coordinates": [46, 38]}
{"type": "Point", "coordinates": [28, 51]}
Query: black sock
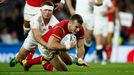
{"type": "Point", "coordinates": [99, 54]}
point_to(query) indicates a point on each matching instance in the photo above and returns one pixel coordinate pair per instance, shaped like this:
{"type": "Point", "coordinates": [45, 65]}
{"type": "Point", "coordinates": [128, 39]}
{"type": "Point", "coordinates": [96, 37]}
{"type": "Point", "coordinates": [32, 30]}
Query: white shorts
{"type": "Point", "coordinates": [110, 27]}
{"type": "Point", "coordinates": [88, 19]}
{"type": "Point", "coordinates": [48, 55]}
{"type": "Point", "coordinates": [30, 11]}
{"type": "Point", "coordinates": [29, 44]}
{"type": "Point", "coordinates": [101, 26]}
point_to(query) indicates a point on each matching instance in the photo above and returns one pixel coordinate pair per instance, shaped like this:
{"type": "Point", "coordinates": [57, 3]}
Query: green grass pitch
{"type": "Point", "coordinates": [92, 69]}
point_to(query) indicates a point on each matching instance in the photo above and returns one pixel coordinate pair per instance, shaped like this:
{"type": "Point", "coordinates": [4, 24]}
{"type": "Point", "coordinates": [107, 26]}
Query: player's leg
{"type": "Point", "coordinates": [20, 56]}
{"type": "Point", "coordinates": [30, 55]}
{"type": "Point", "coordinates": [66, 57]}
{"type": "Point", "coordinates": [88, 23]}
{"type": "Point", "coordinates": [27, 16]}
{"type": "Point", "coordinates": [104, 41]}
{"type": "Point", "coordinates": [29, 12]}
{"type": "Point", "coordinates": [98, 27]}
{"type": "Point", "coordinates": [34, 61]}
{"type": "Point", "coordinates": [26, 27]}
{"type": "Point", "coordinates": [58, 63]}
{"type": "Point", "coordinates": [27, 46]}
{"type": "Point", "coordinates": [108, 47]}
{"type": "Point", "coordinates": [87, 42]}
{"type": "Point", "coordinates": [99, 47]}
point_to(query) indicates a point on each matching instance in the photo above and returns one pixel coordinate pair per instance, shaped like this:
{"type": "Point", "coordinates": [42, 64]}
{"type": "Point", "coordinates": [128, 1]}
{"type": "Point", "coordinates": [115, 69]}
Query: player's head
{"type": "Point", "coordinates": [47, 9]}
{"type": "Point", "coordinates": [75, 23]}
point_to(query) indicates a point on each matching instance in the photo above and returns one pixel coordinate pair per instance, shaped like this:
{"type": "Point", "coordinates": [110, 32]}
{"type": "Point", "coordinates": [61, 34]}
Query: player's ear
{"type": "Point", "coordinates": [70, 22]}
{"type": "Point", "coordinates": [41, 10]}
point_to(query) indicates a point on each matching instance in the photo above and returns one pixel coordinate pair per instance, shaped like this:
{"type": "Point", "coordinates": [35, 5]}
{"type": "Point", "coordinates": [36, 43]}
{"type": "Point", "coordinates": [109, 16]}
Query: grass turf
{"type": "Point", "coordinates": [92, 69]}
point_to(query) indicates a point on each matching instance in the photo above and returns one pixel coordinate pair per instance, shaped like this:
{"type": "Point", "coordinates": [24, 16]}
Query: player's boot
{"type": "Point", "coordinates": [26, 66]}
{"type": "Point", "coordinates": [13, 62]}
{"type": "Point", "coordinates": [47, 66]}
{"type": "Point", "coordinates": [80, 62]}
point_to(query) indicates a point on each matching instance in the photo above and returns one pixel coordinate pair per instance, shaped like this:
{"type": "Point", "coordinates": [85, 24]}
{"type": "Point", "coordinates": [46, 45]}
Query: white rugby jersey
{"type": "Point", "coordinates": [83, 5]}
{"type": "Point", "coordinates": [104, 7]}
{"type": "Point", "coordinates": [37, 22]}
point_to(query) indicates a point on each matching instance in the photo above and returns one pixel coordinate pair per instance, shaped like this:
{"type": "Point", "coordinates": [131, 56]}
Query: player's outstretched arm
{"type": "Point", "coordinates": [80, 52]}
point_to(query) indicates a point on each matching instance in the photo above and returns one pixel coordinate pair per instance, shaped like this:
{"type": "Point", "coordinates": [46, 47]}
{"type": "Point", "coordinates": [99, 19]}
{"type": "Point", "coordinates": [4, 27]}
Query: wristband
{"type": "Point", "coordinates": [67, 46]}
{"type": "Point", "coordinates": [26, 29]}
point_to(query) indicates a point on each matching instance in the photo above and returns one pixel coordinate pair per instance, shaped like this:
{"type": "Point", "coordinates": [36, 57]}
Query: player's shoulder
{"type": "Point", "coordinates": [54, 20]}
{"type": "Point", "coordinates": [65, 21]}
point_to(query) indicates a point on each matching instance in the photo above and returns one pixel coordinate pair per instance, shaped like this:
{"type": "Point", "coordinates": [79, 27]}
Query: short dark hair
{"type": "Point", "coordinates": [47, 3]}
{"type": "Point", "coordinates": [77, 17]}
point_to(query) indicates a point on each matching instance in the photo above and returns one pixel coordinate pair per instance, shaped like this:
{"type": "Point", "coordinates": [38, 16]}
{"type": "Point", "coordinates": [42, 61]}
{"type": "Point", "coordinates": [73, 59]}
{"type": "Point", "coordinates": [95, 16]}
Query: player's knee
{"type": "Point", "coordinates": [69, 62]}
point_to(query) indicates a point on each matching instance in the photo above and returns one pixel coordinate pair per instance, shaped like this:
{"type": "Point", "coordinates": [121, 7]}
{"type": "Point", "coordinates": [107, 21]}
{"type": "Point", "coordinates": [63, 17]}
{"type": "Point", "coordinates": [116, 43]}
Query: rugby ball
{"type": "Point", "coordinates": [69, 37]}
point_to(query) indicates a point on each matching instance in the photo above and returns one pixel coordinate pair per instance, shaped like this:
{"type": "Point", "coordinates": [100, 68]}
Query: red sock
{"type": "Point", "coordinates": [47, 66]}
{"type": "Point", "coordinates": [108, 51]}
{"type": "Point", "coordinates": [30, 55]}
{"type": "Point", "coordinates": [36, 60]}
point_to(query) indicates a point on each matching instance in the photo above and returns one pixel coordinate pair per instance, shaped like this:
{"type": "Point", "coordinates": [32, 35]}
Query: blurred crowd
{"type": "Point", "coordinates": [11, 20]}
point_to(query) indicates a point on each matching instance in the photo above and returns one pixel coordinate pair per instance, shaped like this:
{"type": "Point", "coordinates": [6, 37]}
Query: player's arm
{"type": "Point", "coordinates": [35, 28]}
{"type": "Point", "coordinates": [80, 52]}
{"type": "Point", "coordinates": [111, 10]}
{"type": "Point", "coordinates": [80, 48]}
{"type": "Point", "coordinates": [59, 6]}
{"type": "Point", "coordinates": [38, 38]}
{"type": "Point", "coordinates": [54, 44]}
{"type": "Point", "coordinates": [70, 7]}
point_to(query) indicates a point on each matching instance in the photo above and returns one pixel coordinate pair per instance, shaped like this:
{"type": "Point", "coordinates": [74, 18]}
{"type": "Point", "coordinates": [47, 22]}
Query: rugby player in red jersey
{"type": "Point", "coordinates": [56, 53]}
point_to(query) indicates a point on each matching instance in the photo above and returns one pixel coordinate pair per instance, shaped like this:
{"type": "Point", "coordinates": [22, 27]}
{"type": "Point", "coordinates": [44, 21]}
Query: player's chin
{"type": "Point", "coordinates": [74, 33]}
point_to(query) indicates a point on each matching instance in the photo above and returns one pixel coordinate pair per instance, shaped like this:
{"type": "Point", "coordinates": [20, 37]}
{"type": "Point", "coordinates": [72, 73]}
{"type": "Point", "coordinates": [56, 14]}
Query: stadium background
{"type": "Point", "coordinates": [11, 15]}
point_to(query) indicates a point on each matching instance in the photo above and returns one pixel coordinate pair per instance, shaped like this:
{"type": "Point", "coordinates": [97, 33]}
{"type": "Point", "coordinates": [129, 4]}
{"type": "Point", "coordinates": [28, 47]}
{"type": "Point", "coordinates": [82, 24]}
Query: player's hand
{"type": "Point", "coordinates": [26, 31]}
{"type": "Point", "coordinates": [81, 62]}
{"type": "Point", "coordinates": [70, 45]}
{"type": "Point", "coordinates": [59, 6]}
{"type": "Point", "coordinates": [72, 12]}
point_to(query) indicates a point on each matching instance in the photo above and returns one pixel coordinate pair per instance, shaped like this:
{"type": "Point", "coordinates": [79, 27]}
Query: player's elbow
{"type": "Point", "coordinates": [50, 47]}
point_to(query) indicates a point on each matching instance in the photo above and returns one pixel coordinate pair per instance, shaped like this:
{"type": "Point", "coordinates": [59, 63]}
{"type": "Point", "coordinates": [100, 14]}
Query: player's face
{"type": "Point", "coordinates": [47, 13]}
{"type": "Point", "coordinates": [75, 27]}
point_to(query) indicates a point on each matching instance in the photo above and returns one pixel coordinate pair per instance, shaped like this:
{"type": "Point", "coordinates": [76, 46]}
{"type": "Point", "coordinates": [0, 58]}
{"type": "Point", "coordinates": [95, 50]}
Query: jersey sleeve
{"type": "Point", "coordinates": [58, 32]}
